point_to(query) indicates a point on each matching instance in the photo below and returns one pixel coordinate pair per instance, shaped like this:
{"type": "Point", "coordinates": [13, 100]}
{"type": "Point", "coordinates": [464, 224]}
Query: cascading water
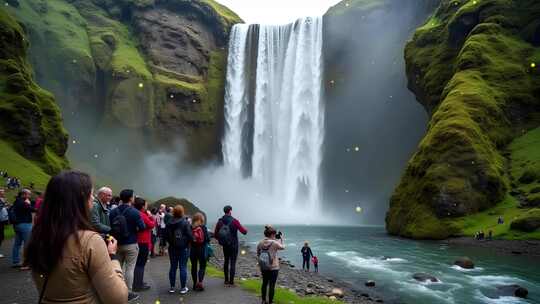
{"type": "Point", "coordinates": [274, 113]}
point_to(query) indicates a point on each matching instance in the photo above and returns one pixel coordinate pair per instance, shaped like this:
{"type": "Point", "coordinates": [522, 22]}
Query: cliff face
{"type": "Point", "coordinates": [30, 119]}
{"type": "Point", "coordinates": [154, 68]}
{"type": "Point", "coordinates": [474, 66]}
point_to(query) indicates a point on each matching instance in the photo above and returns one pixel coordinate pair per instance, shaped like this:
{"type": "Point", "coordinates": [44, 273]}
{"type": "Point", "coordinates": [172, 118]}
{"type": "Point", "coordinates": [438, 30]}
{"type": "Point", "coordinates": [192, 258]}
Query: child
{"type": "Point", "coordinates": [315, 261]}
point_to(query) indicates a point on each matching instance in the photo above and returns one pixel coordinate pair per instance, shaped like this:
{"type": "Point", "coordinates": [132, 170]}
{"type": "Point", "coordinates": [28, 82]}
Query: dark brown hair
{"type": "Point", "coordinates": [269, 231]}
{"type": "Point", "coordinates": [198, 217]}
{"type": "Point", "coordinates": [139, 203]}
{"type": "Point", "coordinates": [63, 213]}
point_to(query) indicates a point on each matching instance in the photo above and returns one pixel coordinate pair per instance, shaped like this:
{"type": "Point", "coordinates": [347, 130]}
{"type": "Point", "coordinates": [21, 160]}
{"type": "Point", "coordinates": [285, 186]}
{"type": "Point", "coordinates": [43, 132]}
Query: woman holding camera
{"type": "Point", "coordinates": [70, 262]}
{"type": "Point", "coordinates": [267, 250]}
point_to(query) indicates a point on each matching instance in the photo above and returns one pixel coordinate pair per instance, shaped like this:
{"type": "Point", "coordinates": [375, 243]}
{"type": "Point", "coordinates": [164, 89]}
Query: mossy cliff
{"type": "Point", "coordinates": [30, 120]}
{"type": "Point", "coordinates": [154, 67]}
{"type": "Point", "coordinates": [475, 67]}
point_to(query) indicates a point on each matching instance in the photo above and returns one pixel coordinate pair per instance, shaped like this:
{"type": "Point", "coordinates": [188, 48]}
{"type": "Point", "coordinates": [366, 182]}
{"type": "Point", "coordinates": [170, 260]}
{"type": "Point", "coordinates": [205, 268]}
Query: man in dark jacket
{"type": "Point", "coordinates": [100, 211]}
{"type": "Point", "coordinates": [307, 254]}
{"type": "Point", "coordinates": [228, 239]}
{"type": "Point", "coordinates": [127, 244]}
{"type": "Point", "coordinates": [23, 224]}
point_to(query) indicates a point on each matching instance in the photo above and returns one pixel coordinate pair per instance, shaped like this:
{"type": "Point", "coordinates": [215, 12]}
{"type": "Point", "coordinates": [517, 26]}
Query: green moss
{"type": "Point", "coordinates": [467, 67]}
{"type": "Point", "coordinates": [29, 116]}
{"type": "Point", "coordinates": [229, 18]}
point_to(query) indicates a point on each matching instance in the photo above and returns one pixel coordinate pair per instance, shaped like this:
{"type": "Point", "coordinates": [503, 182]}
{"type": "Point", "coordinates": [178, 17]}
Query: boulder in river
{"type": "Point", "coordinates": [424, 277]}
{"type": "Point", "coordinates": [337, 292]}
{"type": "Point", "coordinates": [464, 262]}
{"type": "Point", "coordinates": [513, 290]}
{"type": "Point", "coordinates": [370, 283]}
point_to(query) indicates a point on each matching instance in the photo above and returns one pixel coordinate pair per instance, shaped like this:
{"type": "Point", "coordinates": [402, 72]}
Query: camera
{"type": "Point", "coordinates": [279, 235]}
{"type": "Point", "coordinates": [107, 238]}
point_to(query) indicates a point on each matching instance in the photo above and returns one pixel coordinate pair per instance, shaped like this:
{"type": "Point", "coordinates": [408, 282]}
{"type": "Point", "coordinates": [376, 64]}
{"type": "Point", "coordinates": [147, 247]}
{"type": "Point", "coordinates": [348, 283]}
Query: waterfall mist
{"type": "Point", "coordinates": [373, 122]}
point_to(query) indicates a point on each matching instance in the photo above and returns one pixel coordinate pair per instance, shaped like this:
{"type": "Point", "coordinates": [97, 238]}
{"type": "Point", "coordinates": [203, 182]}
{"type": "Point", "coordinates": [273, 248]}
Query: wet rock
{"type": "Point", "coordinates": [424, 277]}
{"type": "Point", "coordinates": [464, 262]}
{"type": "Point", "coordinates": [370, 283]}
{"type": "Point", "coordinates": [309, 291]}
{"type": "Point", "coordinates": [513, 290]}
{"type": "Point", "coordinates": [337, 292]}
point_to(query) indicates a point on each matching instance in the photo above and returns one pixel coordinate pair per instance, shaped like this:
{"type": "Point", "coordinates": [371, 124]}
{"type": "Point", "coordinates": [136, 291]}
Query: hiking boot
{"type": "Point", "coordinates": [132, 297]}
{"type": "Point", "coordinates": [184, 290]}
{"type": "Point", "coordinates": [141, 288]}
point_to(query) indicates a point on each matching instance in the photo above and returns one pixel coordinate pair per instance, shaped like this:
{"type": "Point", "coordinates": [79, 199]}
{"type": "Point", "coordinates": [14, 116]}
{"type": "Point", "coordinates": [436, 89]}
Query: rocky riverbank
{"type": "Point", "coordinates": [301, 282]}
{"type": "Point", "coordinates": [514, 247]}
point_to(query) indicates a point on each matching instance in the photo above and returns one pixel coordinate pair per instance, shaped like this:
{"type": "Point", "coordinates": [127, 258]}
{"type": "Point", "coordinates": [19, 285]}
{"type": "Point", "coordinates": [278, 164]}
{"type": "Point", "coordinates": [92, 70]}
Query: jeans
{"type": "Point", "coordinates": [22, 236]}
{"type": "Point", "coordinates": [127, 256]}
{"type": "Point", "coordinates": [178, 258]}
{"type": "Point", "coordinates": [269, 278]}
{"type": "Point", "coordinates": [142, 258]}
{"type": "Point", "coordinates": [230, 254]}
{"type": "Point", "coordinates": [305, 263]}
{"type": "Point", "coordinates": [198, 260]}
{"type": "Point", "coordinates": [2, 225]}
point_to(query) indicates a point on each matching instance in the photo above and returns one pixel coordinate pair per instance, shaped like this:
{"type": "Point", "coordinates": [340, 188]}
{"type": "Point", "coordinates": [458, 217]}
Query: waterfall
{"type": "Point", "coordinates": [274, 113]}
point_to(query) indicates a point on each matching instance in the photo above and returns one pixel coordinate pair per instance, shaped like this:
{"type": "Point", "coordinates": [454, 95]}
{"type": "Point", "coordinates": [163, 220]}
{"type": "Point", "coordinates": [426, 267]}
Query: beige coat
{"type": "Point", "coordinates": [273, 247]}
{"type": "Point", "coordinates": [85, 274]}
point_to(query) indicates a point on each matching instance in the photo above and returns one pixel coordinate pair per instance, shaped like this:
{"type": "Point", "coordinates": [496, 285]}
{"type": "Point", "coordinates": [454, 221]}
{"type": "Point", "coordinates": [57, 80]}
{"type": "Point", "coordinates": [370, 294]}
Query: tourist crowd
{"type": "Point", "coordinates": [110, 238]}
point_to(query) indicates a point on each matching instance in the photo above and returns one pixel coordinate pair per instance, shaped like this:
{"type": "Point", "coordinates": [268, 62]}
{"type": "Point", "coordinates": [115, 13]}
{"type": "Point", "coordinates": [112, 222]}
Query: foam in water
{"type": "Point", "coordinates": [500, 300]}
{"type": "Point", "coordinates": [287, 108]}
{"type": "Point", "coordinates": [461, 269]}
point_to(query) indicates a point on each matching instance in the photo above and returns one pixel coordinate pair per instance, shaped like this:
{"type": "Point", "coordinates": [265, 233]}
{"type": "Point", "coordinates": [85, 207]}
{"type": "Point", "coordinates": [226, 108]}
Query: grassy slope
{"type": "Point", "coordinates": [469, 65]}
{"type": "Point", "coordinates": [30, 118]}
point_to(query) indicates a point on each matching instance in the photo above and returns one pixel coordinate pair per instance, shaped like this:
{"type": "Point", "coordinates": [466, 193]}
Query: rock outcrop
{"type": "Point", "coordinates": [155, 68]}
{"type": "Point", "coordinates": [474, 66]}
{"type": "Point", "coordinates": [30, 119]}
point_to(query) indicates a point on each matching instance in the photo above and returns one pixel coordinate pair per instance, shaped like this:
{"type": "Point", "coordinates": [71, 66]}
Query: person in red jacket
{"type": "Point", "coordinates": [144, 240]}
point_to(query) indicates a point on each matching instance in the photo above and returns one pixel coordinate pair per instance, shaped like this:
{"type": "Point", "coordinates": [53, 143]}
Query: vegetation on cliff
{"type": "Point", "coordinates": [30, 120]}
{"type": "Point", "coordinates": [145, 65]}
{"type": "Point", "coordinates": [474, 67]}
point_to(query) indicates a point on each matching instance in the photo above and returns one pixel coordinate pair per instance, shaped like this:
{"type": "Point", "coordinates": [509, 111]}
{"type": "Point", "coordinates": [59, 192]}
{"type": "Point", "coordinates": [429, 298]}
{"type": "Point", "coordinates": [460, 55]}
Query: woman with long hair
{"type": "Point", "coordinates": [179, 237]}
{"type": "Point", "coordinates": [269, 262]}
{"type": "Point", "coordinates": [198, 254]}
{"type": "Point", "coordinates": [70, 262]}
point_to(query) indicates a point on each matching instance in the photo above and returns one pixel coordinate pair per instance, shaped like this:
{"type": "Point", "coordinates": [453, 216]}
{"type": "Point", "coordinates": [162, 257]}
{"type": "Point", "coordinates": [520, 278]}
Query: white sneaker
{"type": "Point", "coordinates": [2, 256]}
{"type": "Point", "coordinates": [171, 290]}
{"type": "Point", "coordinates": [184, 290]}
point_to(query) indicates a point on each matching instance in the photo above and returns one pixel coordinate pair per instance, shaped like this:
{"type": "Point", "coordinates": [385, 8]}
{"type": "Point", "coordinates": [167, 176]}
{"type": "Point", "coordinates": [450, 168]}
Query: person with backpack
{"type": "Point", "coordinates": [70, 262]}
{"type": "Point", "coordinates": [306, 256]}
{"type": "Point", "coordinates": [198, 254]}
{"type": "Point", "coordinates": [179, 237]}
{"type": "Point", "coordinates": [267, 256]}
{"type": "Point", "coordinates": [125, 222]}
{"type": "Point", "coordinates": [20, 215]}
{"type": "Point", "coordinates": [144, 240]}
{"type": "Point", "coordinates": [226, 233]}
{"type": "Point", "coordinates": [4, 216]}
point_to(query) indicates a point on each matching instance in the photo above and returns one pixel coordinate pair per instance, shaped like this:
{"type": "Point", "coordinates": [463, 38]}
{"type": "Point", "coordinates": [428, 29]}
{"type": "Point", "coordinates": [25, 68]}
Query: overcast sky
{"type": "Point", "coordinates": [277, 11]}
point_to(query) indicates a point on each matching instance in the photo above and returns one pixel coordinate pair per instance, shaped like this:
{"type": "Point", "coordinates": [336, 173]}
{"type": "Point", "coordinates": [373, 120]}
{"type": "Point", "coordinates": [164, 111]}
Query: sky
{"type": "Point", "coordinates": [277, 11]}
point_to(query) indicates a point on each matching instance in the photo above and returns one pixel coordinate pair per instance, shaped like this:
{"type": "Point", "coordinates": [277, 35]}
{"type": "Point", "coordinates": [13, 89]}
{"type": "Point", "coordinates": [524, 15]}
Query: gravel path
{"type": "Point", "coordinates": [17, 287]}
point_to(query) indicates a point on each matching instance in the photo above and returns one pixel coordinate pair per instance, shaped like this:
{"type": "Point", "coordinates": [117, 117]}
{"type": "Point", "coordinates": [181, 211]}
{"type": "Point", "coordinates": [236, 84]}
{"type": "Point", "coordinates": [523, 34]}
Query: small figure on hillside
{"type": "Point", "coordinates": [500, 221]}
{"type": "Point", "coordinates": [490, 235]}
{"type": "Point", "coordinates": [315, 261]}
{"type": "Point", "coordinates": [306, 256]}
{"type": "Point", "coordinates": [482, 235]}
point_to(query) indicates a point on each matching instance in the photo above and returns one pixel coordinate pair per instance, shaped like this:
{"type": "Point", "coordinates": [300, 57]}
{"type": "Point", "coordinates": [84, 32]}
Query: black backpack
{"type": "Point", "coordinates": [178, 238]}
{"type": "Point", "coordinates": [12, 217]}
{"type": "Point", "coordinates": [224, 236]}
{"type": "Point", "coordinates": [119, 226]}
{"type": "Point", "coordinates": [265, 258]}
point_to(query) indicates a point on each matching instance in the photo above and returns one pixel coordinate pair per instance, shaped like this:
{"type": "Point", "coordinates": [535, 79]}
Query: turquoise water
{"type": "Point", "coordinates": [355, 254]}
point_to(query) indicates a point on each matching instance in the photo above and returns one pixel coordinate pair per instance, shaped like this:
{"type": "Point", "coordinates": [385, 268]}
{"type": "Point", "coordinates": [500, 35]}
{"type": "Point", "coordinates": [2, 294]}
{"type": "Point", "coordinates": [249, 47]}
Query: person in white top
{"type": "Point", "coordinates": [267, 253]}
{"type": "Point", "coordinates": [160, 222]}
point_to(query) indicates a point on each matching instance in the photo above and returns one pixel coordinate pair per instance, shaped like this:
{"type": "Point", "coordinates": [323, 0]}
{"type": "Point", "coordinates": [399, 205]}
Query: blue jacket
{"type": "Point", "coordinates": [134, 222]}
